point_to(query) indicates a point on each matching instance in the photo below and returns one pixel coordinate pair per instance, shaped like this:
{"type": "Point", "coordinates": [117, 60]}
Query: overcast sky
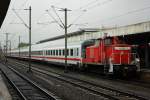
{"type": "Point", "coordinates": [83, 14]}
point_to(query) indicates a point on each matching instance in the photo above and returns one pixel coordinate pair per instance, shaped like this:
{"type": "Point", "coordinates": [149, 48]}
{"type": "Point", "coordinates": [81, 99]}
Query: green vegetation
{"type": "Point", "coordinates": [23, 45]}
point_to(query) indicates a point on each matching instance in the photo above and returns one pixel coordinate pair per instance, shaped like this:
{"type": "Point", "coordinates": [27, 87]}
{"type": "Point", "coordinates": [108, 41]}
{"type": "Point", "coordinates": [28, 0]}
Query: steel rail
{"type": "Point", "coordinates": [14, 86]}
{"type": "Point", "coordinates": [48, 94]}
{"type": "Point", "coordinates": [93, 84]}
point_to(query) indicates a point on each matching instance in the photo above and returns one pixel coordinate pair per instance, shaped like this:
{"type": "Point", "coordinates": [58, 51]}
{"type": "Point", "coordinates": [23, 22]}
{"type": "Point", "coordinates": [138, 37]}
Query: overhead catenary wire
{"type": "Point", "coordinates": [23, 4]}
{"type": "Point", "coordinates": [99, 4]}
{"type": "Point", "coordinates": [86, 5]}
{"type": "Point", "coordinates": [54, 18]}
{"type": "Point", "coordinates": [93, 4]}
{"type": "Point", "coordinates": [125, 14]}
{"type": "Point", "coordinates": [76, 19]}
{"type": "Point", "coordinates": [20, 18]}
{"type": "Point", "coordinates": [57, 15]}
{"type": "Point", "coordinates": [73, 23]}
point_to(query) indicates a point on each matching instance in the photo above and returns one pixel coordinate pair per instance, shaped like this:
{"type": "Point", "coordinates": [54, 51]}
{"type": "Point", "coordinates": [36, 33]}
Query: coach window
{"type": "Point", "coordinates": [51, 52]}
{"type": "Point", "coordinates": [56, 52]}
{"type": "Point", "coordinates": [59, 52]}
{"type": "Point", "coordinates": [71, 52]}
{"type": "Point", "coordinates": [67, 52]}
{"type": "Point", "coordinates": [48, 52]}
{"type": "Point", "coordinates": [77, 51]}
{"type": "Point", "coordinates": [63, 52]}
{"type": "Point", "coordinates": [44, 52]}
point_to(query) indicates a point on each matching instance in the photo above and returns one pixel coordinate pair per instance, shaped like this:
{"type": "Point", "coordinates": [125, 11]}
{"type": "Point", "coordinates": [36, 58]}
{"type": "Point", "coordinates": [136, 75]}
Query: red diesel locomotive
{"type": "Point", "coordinates": [111, 55]}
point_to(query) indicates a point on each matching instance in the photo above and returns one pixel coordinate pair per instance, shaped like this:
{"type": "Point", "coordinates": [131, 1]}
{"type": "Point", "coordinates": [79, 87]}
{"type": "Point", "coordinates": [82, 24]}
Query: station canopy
{"type": "Point", "coordinates": [4, 4]}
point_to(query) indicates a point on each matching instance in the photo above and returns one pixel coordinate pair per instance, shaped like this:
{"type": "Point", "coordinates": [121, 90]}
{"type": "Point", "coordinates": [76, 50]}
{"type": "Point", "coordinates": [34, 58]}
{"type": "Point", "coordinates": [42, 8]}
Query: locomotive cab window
{"type": "Point", "coordinates": [108, 41]}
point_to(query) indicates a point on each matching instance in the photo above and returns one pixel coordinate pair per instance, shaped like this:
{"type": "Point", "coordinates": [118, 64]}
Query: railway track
{"type": "Point", "coordinates": [109, 93]}
{"type": "Point", "coordinates": [26, 89]}
{"type": "Point", "coordinates": [136, 82]}
{"type": "Point", "coordinates": [13, 92]}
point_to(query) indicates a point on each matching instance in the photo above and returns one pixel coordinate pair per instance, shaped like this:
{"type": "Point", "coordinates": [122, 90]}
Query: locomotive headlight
{"type": "Point", "coordinates": [137, 60]}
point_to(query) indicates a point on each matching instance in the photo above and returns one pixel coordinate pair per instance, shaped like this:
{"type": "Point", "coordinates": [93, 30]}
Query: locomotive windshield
{"type": "Point", "coordinates": [108, 41]}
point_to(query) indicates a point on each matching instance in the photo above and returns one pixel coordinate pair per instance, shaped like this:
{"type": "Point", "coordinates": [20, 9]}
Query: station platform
{"type": "Point", "coordinates": [4, 93]}
{"type": "Point", "coordinates": [145, 75]}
